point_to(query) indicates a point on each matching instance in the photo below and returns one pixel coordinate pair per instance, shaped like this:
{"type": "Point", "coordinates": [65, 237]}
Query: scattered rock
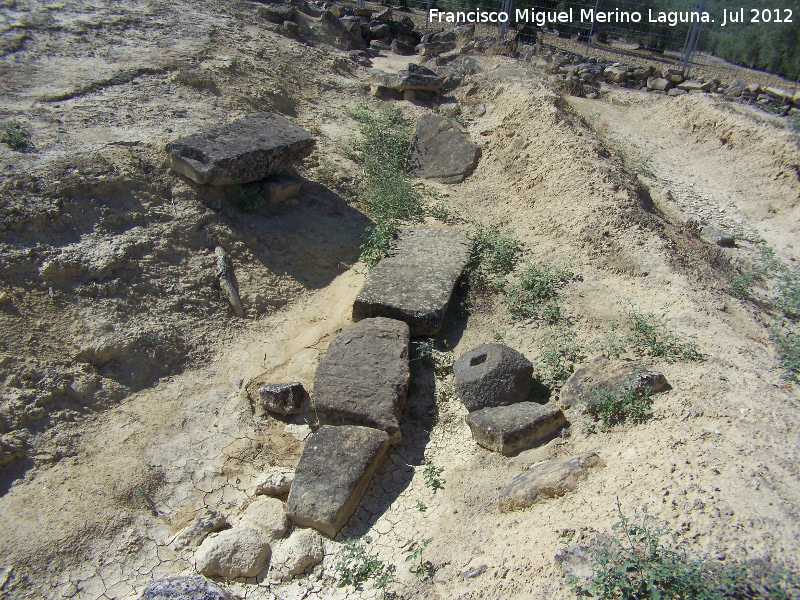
{"type": "Point", "coordinates": [735, 88]}
{"type": "Point", "coordinates": [606, 374]}
{"type": "Point", "coordinates": [277, 13]}
{"type": "Point", "coordinates": [692, 85]}
{"type": "Point", "coordinates": [282, 187]}
{"type": "Point", "coordinates": [379, 45]}
{"type": "Point", "coordinates": [676, 92]}
{"type": "Point", "coordinates": [194, 534]}
{"type": "Point", "coordinates": [434, 48]}
{"type": "Point", "coordinates": [402, 48]}
{"type": "Point", "coordinates": [480, 110]}
{"type": "Point", "coordinates": [617, 74]}
{"type": "Point", "coordinates": [658, 84]}
{"type": "Point", "coordinates": [673, 75]}
{"type": "Point", "coordinates": [379, 30]}
{"type": "Point", "coordinates": [282, 398]}
{"type": "Point", "coordinates": [275, 482]}
{"type": "Point", "coordinates": [450, 110]}
{"type": "Point", "coordinates": [415, 281]}
{"type": "Point", "coordinates": [184, 587]}
{"type": "Point", "coordinates": [407, 79]}
{"type": "Point", "coordinates": [363, 378]}
{"type": "Point", "coordinates": [302, 549]}
{"type": "Point", "coordinates": [492, 375]}
{"type": "Point", "coordinates": [546, 480]}
{"type": "Point", "coordinates": [238, 552]}
{"type": "Point", "coordinates": [577, 561]}
{"type": "Point", "coordinates": [442, 151]}
{"type": "Point", "coordinates": [509, 429]}
{"type": "Point", "coordinates": [249, 149]}
{"type": "Point", "coordinates": [333, 474]}
{"type": "Point", "coordinates": [266, 514]}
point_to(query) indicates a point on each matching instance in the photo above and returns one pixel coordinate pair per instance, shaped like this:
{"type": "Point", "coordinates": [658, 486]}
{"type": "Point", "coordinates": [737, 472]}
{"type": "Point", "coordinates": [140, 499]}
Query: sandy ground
{"type": "Point", "coordinates": [91, 510]}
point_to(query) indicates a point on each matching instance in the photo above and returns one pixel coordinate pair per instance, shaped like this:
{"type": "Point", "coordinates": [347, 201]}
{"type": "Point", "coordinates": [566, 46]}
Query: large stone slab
{"type": "Point", "coordinates": [248, 149]}
{"type": "Point", "coordinates": [333, 474]}
{"type": "Point", "coordinates": [414, 77]}
{"type": "Point", "coordinates": [415, 281]}
{"type": "Point", "coordinates": [363, 378]}
{"type": "Point", "coordinates": [602, 373]}
{"type": "Point", "coordinates": [509, 429]}
{"type": "Point", "coordinates": [183, 587]}
{"type": "Point", "coordinates": [442, 151]}
{"type": "Point", "coordinates": [492, 375]}
{"type": "Point", "coordinates": [547, 480]}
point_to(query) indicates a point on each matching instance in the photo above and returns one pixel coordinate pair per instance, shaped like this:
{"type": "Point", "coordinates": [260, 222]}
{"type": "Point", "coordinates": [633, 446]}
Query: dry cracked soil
{"type": "Point", "coordinates": [123, 411]}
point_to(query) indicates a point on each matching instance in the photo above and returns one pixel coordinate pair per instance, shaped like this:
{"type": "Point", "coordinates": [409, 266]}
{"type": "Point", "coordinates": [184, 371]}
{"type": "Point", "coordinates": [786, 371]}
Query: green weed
{"type": "Point", "coordinates": [741, 286]}
{"type": "Point", "coordinates": [787, 341]}
{"type": "Point", "coordinates": [357, 565]}
{"type": "Point", "coordinates": [628, 403]}
{"type": "Point", "coordinates": [558, 356]}
{"type": "Point", "coordinates": [651, 335]}
{"type": "Point", "coordinates": [247, 198]}
{"type": "Point", "coordinates": [431, 475]}
{"type": "Point", "coordinates": [493, 255]}
{"type": "Point", "coordinates": [638, 565]}
{"type": "Point", "coordinates": [422, 569]}
{"type": "Point", "coordinates": [15, 135]}
{"type": "Point", "coordinates": [789, 294]}
{"type": "Point", "coordinates": [535, 292]}
{"type": "Point", "coordinates": [386, 192]}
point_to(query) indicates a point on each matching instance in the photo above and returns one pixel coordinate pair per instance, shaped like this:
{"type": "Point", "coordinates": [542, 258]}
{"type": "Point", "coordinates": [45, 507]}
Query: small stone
{"type": "Point", "coordinates": [282, 398]}
{"type": "Point", "coordinates": [450, 110]}
{"type": "Point", "coordinates": [480, 110]}
{"type": "Point", "coordinates": [194, 534]}
{"type": "Point", "coordinates": [577, 561]}
{"type": "Point", "coordinates": [509, 429]}
{"type": "Point", "coordinates": [547, 480]}
{"type": "Point", "coordinates": [301, 550]}
{"type": "Point", "coordinates": [184, 587]}
{"type": "Point", "coordinates": [282, 187]}
{"type": "Point", "coordinates": [676, 92]}
{"type": "Point", "coordinates": [604, 374]}
{"type": "Point", "coordinates": [402, 48]}
{"type": "Point", "coordinates": [275, 482]}
{"type": "Point", "coordinates": [277, 13]}
{"type": "Point", "coordinates": [333, 474]}
{"type": "Point", "coordinates": [658, 84]}
{"type": "Point", "coordinates": [238, 552]}
{"type": "Point", "coordinates": [442, 151]}
{"type": "Point", "coordinates": [266, 514]}
{"type": "Point", "coordinates": [492, 375]}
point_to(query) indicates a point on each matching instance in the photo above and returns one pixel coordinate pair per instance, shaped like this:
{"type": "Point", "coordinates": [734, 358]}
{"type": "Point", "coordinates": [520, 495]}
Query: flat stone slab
{"type": "Point", "coordinates": [603, 373]}
{"type": "Point", "coordinates": [509, 429]}
{"type": "Point", "coordinates": [282, 398]}
{"type": "Point", "coordinates": [333, 474]}
{"type": "Point", "coordinates": [183, 587]}
{"type": "Point", "coordinates": [249, 149]}
{"type": "Point", "coordinates": [442, 151]}
{"type": "Point", "coordinates": [413, 78]}
{"type": "Point", "coordinates": [363, 378]}
{"type": "Point", "coordinates": [547, 480]}
{"type": "Point", "coordinates": [492, 375]}
{"type": "Point", "coordinates": [415, 281]}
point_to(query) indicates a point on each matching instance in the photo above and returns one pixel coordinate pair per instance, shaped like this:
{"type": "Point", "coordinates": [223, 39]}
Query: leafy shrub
{"type": "Point", "coordinates": [559, 355]}
{"type": "Point", "coordinates": [650, 335]}
{"type": "Point", "coordinates": [431, 475]}
{"type": "Point", "coordinates": [612, 408]}
{"type": "Point", "coordinates": [789, 294]}
{"type": "Point", "coordinates": [357, 565]}
{"type": "Point", "coordinates": [788, 345]}
{"type": "Point", "coordinates": [638, 565]}
{"type": "Point", "coordinates": [15, 135]}
{"type": "Point", "coordinates": [537, 284]}
{"type": "Point", "coordinates": [493, 255]}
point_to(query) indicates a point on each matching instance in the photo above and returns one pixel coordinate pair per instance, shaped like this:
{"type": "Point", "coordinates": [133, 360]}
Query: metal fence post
{"type": "Point", "coordinates": [591, 29]}
{"type": "Point", "coordinates": [506, 6]}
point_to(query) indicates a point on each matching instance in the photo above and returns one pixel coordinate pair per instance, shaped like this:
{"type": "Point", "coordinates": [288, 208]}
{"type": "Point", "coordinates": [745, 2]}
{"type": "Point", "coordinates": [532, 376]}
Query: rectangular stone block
{"type": "Point", "coordinates": [248, 149]}
{"type": "Point", "coordinates": [333, 474]}
{"type": "Point", "coordinates": [509, 429]}
{"type": "Point", "coordinates": [363, 378]}
{"type": "Point", "coordinates": [415, 281]}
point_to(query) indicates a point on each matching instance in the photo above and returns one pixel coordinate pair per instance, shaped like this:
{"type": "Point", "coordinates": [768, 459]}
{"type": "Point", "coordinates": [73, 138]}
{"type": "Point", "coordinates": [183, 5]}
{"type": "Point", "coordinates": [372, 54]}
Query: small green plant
{"type": "Point", "coordinates": [637, 564]}
{"type": "Point", "coordinates": [741, 286]}
{"type": "Point", "coordinates": [15, 135]}
{"type": "Point", "coordinates": [440, 359]}
{"type": "Point", "coordinates": [628, 403]}
{"type": "Point", "coordinates": [613, 346]}
{"type": "Point", "coordinates": [439, 211]}
{"type": "Point", "coordinates": [793, 122]}
{"type": "Point", "coordinates": [558, 355]}
{"type": "Point", "coordinates": [386, 192]}
{"type": "Point", "coordinates": [650, 335]}
{"type": "Point", "coordinates": [247, 198]}
{"type": "Point", "coordinates": [493, 255]}
{"type": "Point", "coordinates": [535, 292]}
{"type": "Point", "coordinates": [644, 165]}
{"type": "Point", "coordinates": [422, 569]}
{"type": "Point", "coordinates": [431, 475]}
{"type": "Point", "coordinates": [421, 507]}
{"type": "Point", "coordinates": [357, 565]}
{"type": "Point", "coordinates": [787, 342]}
{"type": "Point", "coordinates": [789, 294]}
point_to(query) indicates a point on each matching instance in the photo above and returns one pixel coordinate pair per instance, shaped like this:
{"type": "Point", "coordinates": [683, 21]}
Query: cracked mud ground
{"type": "Point", "coordinates": [122, 400]}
